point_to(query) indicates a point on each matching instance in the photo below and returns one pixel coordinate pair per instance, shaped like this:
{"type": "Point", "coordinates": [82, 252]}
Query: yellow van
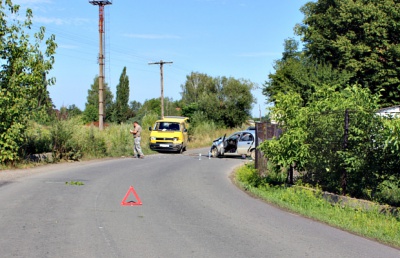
{"type": "Point", "coordinates": [169, 134]}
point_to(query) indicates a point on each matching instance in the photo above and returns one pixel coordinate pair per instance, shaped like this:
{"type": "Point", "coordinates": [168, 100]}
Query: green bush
{"type": "Point", "coordinates": [119, 141]}
{"type": "Point", "coordinates": [37, 139]}
{"type": "Point", "coordinates": [248, 175]}
{"type": "Point", "coordinates": [63, 145]}
{"type": "Point", "coordinates": [202, 128]}
{"type": "Point", "coordinates": [389, 192]}
{"type": "Point", "coordinates": [275, 175]}
{"type": "Point", "coordinates": [148, 120]}
{"type": "Point", "coordinates": [94, 144]}
{"type": "Point", "coordinates": [370, 223]}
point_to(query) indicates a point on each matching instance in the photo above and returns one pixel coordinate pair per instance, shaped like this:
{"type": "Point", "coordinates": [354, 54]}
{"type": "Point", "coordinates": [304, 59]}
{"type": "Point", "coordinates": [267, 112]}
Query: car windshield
{"type": "Point", "coordinates": [167, 126]}
{"type": "Point", "coordinates": [234, 136]}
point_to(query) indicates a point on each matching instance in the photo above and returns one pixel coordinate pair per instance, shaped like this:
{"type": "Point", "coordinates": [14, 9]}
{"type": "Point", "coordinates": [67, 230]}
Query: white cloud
{"type": "Point", "coordinates": [150, 36]}
{"type": "Point", "coordinates": [59, 21]}
{"type": "Point", "coordinates": [26, 2]}
{"type": "Point", "coordinates": [48, 20]}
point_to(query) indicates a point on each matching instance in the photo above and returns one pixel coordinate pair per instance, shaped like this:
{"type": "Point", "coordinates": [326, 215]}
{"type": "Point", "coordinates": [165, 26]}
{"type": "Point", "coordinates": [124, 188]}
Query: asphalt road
{"type": "Point", "coordinates": [189, 208]}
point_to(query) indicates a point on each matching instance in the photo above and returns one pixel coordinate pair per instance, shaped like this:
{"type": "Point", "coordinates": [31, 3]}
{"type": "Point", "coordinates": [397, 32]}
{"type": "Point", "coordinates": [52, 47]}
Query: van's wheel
{"type": "Point", "coordinates": [253, 154]}
{"type": "Point", "coordinates": [214, 153]}
{"type": "Point", "coordinates": [180, 151]}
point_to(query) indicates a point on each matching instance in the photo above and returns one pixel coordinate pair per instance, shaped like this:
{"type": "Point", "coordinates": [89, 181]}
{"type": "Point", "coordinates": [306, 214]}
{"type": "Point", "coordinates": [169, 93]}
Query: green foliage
{"type": "Point", "coordinates": [196, 85]}
{"type": "Point", "coordinates": [309, 202]}
{"type": "Point", "coordinates": [119, 140]}
{"type": "Point", "coordinates": [357, 37]}
{"type": "Point", "coordinates": [298, 73]}
{"type": "Point", "coordinates": [79, 183]}
{"type": "Point", "coordinates": [199, 127]}
{"type": "Point", "coordinates": [248, 175]}
{"type": "Point", "coordinates": [226, 101]}
{"type": "Point", "coordinates": [345, 43]}
{"type": "Point", "coordinates": [91, 112]}
{"type": "Point", "coordinates": [391, 134]}
{"type": "Point", "coordinates": [63, 146]}
{"type": "Point", "coordinates": [121, 110]}
{"type": "Point", "coordinates": [134, 107]}
{"type": "Point", "coordinates": [38, 139]}
{"type": "Point", "coordinates": [389, 192]}
{"type": "Point", "coordinates": [23, 84]}
{"type": "Point", "coordinates": [313, 140]}
{"type": "Point", "coordinates": [189, 110]}
{"type": "Point", "coordinates": [71, 140]}
{"type": "Point", "coordinates": [171, 108]}
{"type": "Point", "coordinates": [91, 142]}
{"type": "Point", "coordinates": [149, 120]}
{"type": "Point", "coordinates": [73, 110]}
{"type": "Point", "coordinates": [151, 105]}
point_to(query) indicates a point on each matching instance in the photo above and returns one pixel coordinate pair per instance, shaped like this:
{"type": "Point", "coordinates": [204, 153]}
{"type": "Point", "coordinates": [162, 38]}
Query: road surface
{"type": "Point", "coordinates": [190, 208]}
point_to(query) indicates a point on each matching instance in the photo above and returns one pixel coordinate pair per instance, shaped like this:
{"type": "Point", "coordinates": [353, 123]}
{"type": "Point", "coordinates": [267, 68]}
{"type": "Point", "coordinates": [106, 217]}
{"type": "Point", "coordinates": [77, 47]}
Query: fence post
{"type": "Point", "coordinates": [256, 150]}
{"type": "Point", "coordinates": [345, 146]}
{"type": "Point", "coordinates": [291, 174]}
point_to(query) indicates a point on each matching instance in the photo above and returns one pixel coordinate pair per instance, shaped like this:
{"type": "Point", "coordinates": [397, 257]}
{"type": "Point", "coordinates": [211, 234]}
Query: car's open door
{"type": "Point", "coordinates": [245, 142]}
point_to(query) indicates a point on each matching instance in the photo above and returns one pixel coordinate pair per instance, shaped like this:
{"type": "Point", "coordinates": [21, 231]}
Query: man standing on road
{"type": "Point", "coordinates": [137, 131]}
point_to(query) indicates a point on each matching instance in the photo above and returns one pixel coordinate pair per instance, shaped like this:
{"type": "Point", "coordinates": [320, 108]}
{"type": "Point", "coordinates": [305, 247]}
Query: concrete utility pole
{"type": "Point", "coordinates": [101, 5]}
{"type": "Point", "coordinates": [161, 63]}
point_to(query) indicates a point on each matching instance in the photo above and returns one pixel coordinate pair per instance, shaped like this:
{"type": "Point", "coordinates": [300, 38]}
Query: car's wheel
{"type": "Point", "coordinates": [214, 153]}
{"type": "Point", "coordinates": [253, 154]}
{"type": "Point", "coordinates": [180, 151]}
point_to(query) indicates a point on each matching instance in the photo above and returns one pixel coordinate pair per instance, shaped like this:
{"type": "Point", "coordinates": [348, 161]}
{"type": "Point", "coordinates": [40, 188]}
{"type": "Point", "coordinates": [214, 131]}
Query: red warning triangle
{"type": "Point", "coordinates": [131, 203]}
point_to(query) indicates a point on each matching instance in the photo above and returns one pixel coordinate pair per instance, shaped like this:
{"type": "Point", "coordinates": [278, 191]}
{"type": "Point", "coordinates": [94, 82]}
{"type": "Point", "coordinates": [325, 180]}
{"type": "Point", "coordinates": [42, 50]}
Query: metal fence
{"type": "Point", "coordinates": [328, 138]}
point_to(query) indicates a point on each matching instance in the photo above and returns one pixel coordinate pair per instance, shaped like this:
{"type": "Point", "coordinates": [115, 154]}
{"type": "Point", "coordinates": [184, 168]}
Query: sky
{"type": "Point", "coordinates": [231, 38]}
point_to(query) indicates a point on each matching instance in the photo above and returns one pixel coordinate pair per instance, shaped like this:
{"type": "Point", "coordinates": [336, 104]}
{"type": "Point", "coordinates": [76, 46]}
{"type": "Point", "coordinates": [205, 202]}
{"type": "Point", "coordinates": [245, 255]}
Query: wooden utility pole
{"type": "Point", "coordinates": [101, 5]}
{"type": "Point", "coordinates": [161, 63]}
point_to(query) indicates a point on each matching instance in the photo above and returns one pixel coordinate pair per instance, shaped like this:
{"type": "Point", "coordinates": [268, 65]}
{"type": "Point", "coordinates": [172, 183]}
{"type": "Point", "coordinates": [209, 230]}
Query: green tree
{"type": "Point", "coordinates": [360, 37]}
{"type": "Point", "coordinates": [73, 110]}
{"type": "Point", "coordinates": [23, 82]}
{"type": "Point", "coordinates": [150, 105]}
{"type": "Point", "coordinates": [121, 108]}
{"type": "Point", "coordinates": [68, 112]}
{"type": "Point", "coordinates": [190, 109]}
{"type": "Point", "coordinates": [298, 73]}
{"type": "Point", "coordinates": [196, 84]}
{"type": "Point", "coordinates": [313, 140]}
{"type": "Point", "coordinates": [135, 106]}
{"type": "Point", "coordinates": [225, 101]}
{"type": "Point", "coordinates": [91, 112]}
{"type": "Point", "coordinates": [171, 107]}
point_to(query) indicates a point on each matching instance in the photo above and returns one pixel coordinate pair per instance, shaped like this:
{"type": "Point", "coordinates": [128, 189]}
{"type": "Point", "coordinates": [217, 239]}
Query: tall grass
{"type": "Point", "coordinates": [73, 140]}
{"type": "Point", "coordinates": [204, 133]}
{"type": "Point", "coordinates": [119, 141]}
{"type": "Point", "coordinates": [368, 223]}
{"type": "Point", "coordinates": [38, 139]}
{"type": "Point", "coordinates": [87, 142]}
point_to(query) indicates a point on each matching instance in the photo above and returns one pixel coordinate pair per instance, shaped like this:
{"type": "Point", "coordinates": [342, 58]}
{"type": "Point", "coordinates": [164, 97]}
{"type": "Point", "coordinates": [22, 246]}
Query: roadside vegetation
{"type": "Point", "coordinates": [372, 223]}
{"type": "Point", "coordinates": [72, 140]}
{"type": "Point", "coordinates": [328, 96]}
